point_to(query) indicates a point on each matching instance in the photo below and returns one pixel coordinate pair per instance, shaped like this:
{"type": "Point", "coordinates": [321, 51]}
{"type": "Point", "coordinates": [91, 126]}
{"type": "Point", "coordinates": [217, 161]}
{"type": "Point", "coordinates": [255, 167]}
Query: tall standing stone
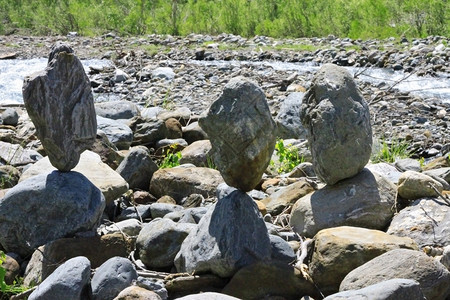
{"type": "Point", "coordinates": [242, 133]}
{"type": "Point", "coordinates": [338, 122]}
{"type": "Point", "coordinates": [60, 103]}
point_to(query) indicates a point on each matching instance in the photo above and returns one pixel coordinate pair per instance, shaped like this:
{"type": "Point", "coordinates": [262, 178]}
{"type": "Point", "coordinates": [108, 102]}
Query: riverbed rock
{"type": "Point", "coordinates": [137, 168]}
{"type": "Point", "coordinates": [159, 242]}
{"type": "Point", "coordinates": [47, 207]}
{"type": "Point", "coordinates": [10, 117]}
{"type": "Point", "coordinates": [365, 200]}
{"type": "Point", "coordinates": [413, 185]}
{"type": "Point", "coordinates": [15, 155]}
{"type": "Point", "coordinates": [138, 293]}
{"type": "Point", "coordinates": [197, 153]}
{"type": "Point", "coordinates": [117, 132]}
{"type": "Point", "coordinates": [386, 170]}
{"type": "Point", "coordinates": [101, 175]}
{"type": "Point", "coordinates": [117, 109]}
{"type": "Point", "coordinates": [392, 289]}
{"type": "Point", "coordinates": [69, 281]}
{"type": "Point", "coordinates": [432, 276]}
{"type": "Point", "coordinates": [242, 133]}
{"type": "Point", "coordinates": [181, 182]}
{"type": "Point", "coordinates": [288, 119]}
{"type": "Point", "coordinates": [230, 236]}
{"type": "Point", "coordinates": [338, 122]}
{"type": "Point", "coordinates": [427, 221]}
{"type": "Point", "coordinates": [113, 276]}
{"type": "Point", "coordinates": [339, 250]}
{"type": "Point", "coordinates": [60, 103]}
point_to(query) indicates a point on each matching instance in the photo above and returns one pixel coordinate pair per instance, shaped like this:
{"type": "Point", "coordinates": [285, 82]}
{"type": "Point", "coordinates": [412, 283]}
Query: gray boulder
{"type": "Point", "coordinates": [242, 133]}
{"type": "Point", "coordinates": [288, 118]}
{"type": "Point", "coordinates": [193, 132]}
{"type": "Point", "coordinates": [70, 281]}
{"type": "Point", "coordinates": [414, 185]}
{"type": "Point", "coordinates": [117, 110]}
{"type": "Point", "coordinates": [47, 207]}
{"type": "Point", "coordinates": [338, 122]}
{"type": "Point", "coordinates": [432, 276]}
{"type": "Point", "coordinates": [117, 132]}
{"type": "Point", "coordinates": [10, 117]}
{"type": "Point", "coordinates": [197, 153]}
{"type": "Point", "coordinates": [159, 210]}
{"type": "Point", "coordinates": [137, 168]}
{"type": "Point", "coordinates": [163, 73]}
{"type": "Point", "coordinates": [281, 250]}
{"type": "Point", "coordinates": [148, 131]}
{"type": "Point", "coordinates": [230, 236]}
{"type": "Point", "coordinates": [15, 155]}
{"type": "Point", "coordinates": [365, 200]}
{"type": "Point", "coordinates": [427, 221]}
{"type": "Point", "coordinates": [113, 276]}
{"type": "Point", "coordinates": [393, 289]}
{"type": "Point", "coordinates": [60, 103]}
{"type": "Point", "coordinates": [159, 242]}
{"type": "Point", "coordinates": [386, 170]}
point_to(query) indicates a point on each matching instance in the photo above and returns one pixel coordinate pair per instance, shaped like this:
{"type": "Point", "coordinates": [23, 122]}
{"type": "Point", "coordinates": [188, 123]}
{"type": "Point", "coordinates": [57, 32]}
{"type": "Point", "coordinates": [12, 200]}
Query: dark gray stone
{"type": "Point", "coordinates": [135, 212]}
{"type": "Point", "coordinates": [432, 276]}
{"type": "Point", "coordinates": [46, 207]}
{"type": "Point", "coordinates": [114, 275]}
{"type": "Point", "coordinates": [117, 132]}
{"type": "Point", "coordinates": [70, 281]}
{"type": "Point", "coordinates": [242, 133]}
{"type": "Point", "coordinates": [365, 200]}
{"type": "Point", "coordinates": [408, 164]}
{"type": "Point", "coordinates": [117, 110]}
{"type": "Point", "coordinates": [188, 215]}
{"type": "Point", "coordinates": [148, 131]}
{"type": "Point", "coordinates": [10, 117]}
{"type": "Point", "coordinates": [393, 289]}
{"type": "Point", "coordinates": [288, 118]}
{"type": "Point", "coordinates": [160, 240]}
{"type": "Point", "coordinates": [230, 236]}
{"type": "Point", "coordinates": [281, 250]}
{"type": "Point", "coordinates": [159, 210]}
{"type": "Point", "coordinates": [137, 168]}
{"type": "Point", "coordinates": [60, 103]}
{"type": "Point", "coordinates": [338, 122]}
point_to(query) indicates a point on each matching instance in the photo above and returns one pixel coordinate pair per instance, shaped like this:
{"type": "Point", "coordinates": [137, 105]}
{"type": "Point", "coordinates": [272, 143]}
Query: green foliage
{"type": "Point", "coordinates": [171, 158]}
{"type": "Point", "coordinates": [210, 163]}
{"type": "Point", "coordinates": [389, 152]}
{"type": "Point", "coordinates": [278, 18]}
{"type": "Point", "coordinates": [6, 290]}
{"type": "Point", "coordinates": [288, 157]}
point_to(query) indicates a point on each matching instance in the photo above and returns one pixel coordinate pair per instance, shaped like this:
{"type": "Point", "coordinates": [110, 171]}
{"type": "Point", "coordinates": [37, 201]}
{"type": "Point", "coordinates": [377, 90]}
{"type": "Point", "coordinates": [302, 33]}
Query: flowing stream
{"type": "Point", "coordinates": [12, 73]}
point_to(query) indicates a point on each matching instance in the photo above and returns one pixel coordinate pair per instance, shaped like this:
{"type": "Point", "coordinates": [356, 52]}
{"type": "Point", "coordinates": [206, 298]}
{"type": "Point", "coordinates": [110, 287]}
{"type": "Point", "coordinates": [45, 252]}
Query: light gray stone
{"type": "Point", "coordinates": [432, 276]}
{"type": "Point", "coordinates": [188, 215]}
{"type": "Point", "coordinates": [392, 289]}
{"type": "Point", "coordinates": [16, 155]}
{"type": "Point", "coordinates": [207, 296]}
{"type": "Point", "coordinates": [365, 200]}
{"type": "Point", "coordinates": [60, 103]}
{"type": "Point", "coordinates": [230, 236]}
{"type": "Point", "coordinates": [159, 242]}
{"type": "Point", "coordinates": [117, 109]}
{"type": "Point", "coordinates": [113, 276]}
{"type": "Point", "coordinates": [288, 118]}
{"type": "Point", "coordinates": [386, 170]}
{"type": "Point", "coordinates": [136, 292]}
{"type": "Point", "coordinates": [159, 210]}
{"type": "Point", "coordinates": [443, 173]}
{"type": "Point", "coordinates": [70, 281]}
{"type": "Point", "coordinates": [117, 132]}
{"type": "Point", "coordinates": [137, 168]}
{"type": "Point", "coordinates": [100, 174]}
{"type": "Point", "coordinates": [131, 227]}
{"type": "Point", "coordinates": [182, 182]}
{"type": "Point", "coordinates": [427, 221]}
{"type": "Point", "coordinates": [163, 73]}
{"type": "Point", "coordinates": [47, 207]}
{"type": "Point", "coordinates": [10, 117]}
{"type": "Point", "coordinates": [408, 164]}
{"type": "Point", "coordinates": [338, 122]}
{"type": "Point", "coordinates": [413, 185]}
{"type": "Point", "coordinates": [242, 133]}
{"type": "Point", "coordinates": [197, 153]}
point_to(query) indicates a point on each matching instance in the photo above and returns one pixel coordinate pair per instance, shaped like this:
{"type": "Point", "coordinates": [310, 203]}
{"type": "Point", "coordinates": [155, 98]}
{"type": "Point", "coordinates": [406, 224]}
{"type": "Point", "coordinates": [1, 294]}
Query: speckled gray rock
{"type": "Point", "coordinates": [137, 168]}
{"type": "Point", "coordinates": [242, 133]}
{"type": "Point", "coordinates": [231, 235]}
{"type": "Point", "coordinates": [393, 289]}
{"type": "Point", "coordinates": [113, 276]}
{"type": "Point", "coordinates": [338, 122]}
{"type": "Point", "coordinates": [47, 207]}
{"type": "Point", "coordinates": [427, 221]}
{"type": "Point", "coordinates": [70, 281]}
{"type": "Point", "coordinates": [60, 103]}
{"type": "Point", "coordinates": [365, 200]}
{"type": "Point", "coordinates": [117, 109]}
{"type": "Point", "coordinates": [432, 276]}
{"type": "Point", "coordinates": [288, 118]}
{"type": "Point", "coordinates": [159, 242]}
{"type": "Point", "coordinates": [117, 132]}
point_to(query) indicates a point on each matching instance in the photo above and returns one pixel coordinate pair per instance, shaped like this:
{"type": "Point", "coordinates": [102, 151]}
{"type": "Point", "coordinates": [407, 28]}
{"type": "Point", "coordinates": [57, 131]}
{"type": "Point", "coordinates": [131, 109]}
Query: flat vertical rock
{"type": "Point", "coordinates": [60, 103]}
{"type": "Point", "coordinates": [338, 122]}
{"type": "Point", "coordinates": [242, 133]}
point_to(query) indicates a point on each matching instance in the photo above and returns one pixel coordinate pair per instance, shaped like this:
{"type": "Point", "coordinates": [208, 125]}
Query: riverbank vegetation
{"type": "Point", "coordinates": [277, 18]}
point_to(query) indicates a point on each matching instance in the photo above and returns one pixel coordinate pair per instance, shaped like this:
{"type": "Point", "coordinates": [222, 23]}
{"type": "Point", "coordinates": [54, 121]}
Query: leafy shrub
{"type": "Point", "coordinates": [288, 157]}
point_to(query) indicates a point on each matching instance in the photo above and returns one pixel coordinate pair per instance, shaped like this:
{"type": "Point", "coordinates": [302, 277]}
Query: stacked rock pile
{"type": "Point", "coordinates": [375, 231]}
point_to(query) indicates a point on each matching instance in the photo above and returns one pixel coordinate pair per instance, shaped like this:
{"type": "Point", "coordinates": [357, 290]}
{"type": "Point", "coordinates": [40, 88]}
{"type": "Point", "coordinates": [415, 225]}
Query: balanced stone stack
{"type": "Point", "coordinates": [338, 123]}
{"type": "Point", "coordinates": [59, 203]}
{"type": "Point", "coordinates": [233, 234]}
{"type": "Point", "coordinates": [60, 103]}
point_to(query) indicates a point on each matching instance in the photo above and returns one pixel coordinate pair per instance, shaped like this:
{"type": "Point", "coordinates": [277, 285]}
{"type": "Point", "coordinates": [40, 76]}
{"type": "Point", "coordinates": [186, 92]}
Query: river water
{"type": "Point", "coordinates": [12, 73]}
